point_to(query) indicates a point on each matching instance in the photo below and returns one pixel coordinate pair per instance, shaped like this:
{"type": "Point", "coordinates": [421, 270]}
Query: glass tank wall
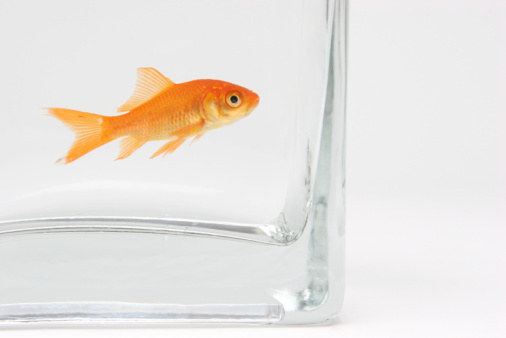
{"type": "Point", "coordinates": [239, 220]}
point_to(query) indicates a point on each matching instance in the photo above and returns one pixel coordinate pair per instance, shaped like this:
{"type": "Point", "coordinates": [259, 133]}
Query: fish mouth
{"type": "Point", "coordinates": [255, 102]}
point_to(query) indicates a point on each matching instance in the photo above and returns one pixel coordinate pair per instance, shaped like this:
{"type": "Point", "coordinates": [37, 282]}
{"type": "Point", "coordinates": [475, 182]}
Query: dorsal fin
{"type": "Point", "coordinates": [150, 82]}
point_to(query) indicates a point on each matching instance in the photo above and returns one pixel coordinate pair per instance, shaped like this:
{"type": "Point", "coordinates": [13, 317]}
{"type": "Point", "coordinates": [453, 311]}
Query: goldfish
{"type": "Point", "coordinates": [158, 109]}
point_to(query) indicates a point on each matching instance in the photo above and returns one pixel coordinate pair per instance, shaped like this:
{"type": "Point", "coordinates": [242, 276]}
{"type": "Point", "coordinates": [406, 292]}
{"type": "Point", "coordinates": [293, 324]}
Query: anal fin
{"type": "Point", "coordinates": [128, 145]}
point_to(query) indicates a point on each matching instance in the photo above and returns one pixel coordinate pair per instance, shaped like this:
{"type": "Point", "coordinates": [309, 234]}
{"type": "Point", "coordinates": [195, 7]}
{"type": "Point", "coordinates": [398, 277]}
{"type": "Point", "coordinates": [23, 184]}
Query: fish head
{"type": "Point", "coordinates": [226, 103]}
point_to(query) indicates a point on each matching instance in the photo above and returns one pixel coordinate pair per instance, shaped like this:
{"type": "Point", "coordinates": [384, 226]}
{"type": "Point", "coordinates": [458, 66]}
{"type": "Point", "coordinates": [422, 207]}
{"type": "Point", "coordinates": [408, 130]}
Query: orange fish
{"type": "Point", "coordinates": [159, 109]}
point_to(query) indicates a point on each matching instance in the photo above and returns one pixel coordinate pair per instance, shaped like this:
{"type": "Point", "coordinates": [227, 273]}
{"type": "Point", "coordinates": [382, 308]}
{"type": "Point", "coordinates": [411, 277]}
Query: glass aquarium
{"type": "Point", "coordinates": [171, 162]}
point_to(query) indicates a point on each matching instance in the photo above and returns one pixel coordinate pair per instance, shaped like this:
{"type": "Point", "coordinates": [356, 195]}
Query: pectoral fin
{"type": "Point", "coordinates": [182, 134]}
{"type": "Point", "coordinates": [169, 147]}
{"type": "Point", "coordinates": [197, 137]}
{"type": "Point", "coordinates": [190, 130]}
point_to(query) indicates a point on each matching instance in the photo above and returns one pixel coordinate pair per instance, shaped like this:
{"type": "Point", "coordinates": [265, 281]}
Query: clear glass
{"type": "Point", "coordinates": [244, 226]}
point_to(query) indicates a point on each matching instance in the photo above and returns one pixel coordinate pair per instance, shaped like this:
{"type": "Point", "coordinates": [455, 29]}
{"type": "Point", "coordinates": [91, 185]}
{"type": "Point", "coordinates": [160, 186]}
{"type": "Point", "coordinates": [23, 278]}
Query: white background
{"type": "Point", "coordinates": [426, 171]}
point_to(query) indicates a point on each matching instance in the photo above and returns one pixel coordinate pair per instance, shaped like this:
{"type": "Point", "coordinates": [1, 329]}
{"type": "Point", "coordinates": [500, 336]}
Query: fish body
{"type": "Point", "coordinates": [159, 109]}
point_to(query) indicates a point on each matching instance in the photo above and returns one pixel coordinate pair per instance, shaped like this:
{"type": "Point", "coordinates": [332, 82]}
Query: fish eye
{"type": "Point", "coordinates": [234, 99]}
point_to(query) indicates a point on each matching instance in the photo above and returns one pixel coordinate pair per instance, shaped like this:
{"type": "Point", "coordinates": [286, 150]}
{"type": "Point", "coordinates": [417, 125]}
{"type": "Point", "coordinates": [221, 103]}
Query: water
{"type": "Point", "coordinates": [228, 220]}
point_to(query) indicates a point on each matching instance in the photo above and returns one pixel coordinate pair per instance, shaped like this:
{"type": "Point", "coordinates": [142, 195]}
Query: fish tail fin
{"type": "Point", "coordinates": [91, 131]}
